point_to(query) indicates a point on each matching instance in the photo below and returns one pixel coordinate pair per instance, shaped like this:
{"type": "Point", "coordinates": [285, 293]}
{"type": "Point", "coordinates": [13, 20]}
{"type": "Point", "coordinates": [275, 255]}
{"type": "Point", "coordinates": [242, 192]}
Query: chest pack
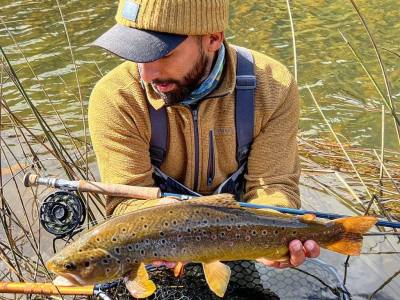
{"type": "Point", "coordinates": [244, 123]}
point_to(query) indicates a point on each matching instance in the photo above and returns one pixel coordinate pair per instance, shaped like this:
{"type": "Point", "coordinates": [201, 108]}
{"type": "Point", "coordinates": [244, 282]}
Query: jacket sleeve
{"type": "Point", "coordinates": [273, 164]}
{"type": "Point", "coordinates": [120, 138]}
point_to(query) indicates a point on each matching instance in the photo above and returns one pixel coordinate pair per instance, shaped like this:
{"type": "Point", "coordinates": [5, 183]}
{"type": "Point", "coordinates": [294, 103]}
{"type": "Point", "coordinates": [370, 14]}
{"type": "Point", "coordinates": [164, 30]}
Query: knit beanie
{"type": "Point", "coordinates": [147, 30]}
{"type": "Point", "coordinates": [185, 17]}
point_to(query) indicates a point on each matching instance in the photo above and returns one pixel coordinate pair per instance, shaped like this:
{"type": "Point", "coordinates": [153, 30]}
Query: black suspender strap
{"type": "Point", "coordinates": [244, 106]}
{"type": "Point", "coordinates": [159, 135]}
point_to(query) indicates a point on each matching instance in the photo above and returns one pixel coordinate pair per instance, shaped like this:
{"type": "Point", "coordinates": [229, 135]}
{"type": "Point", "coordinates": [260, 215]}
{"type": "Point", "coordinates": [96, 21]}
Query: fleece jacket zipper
{"type": "Point", "coordinates": [211, 159]}
{"type": "Point", "coordinates": [196, 148]}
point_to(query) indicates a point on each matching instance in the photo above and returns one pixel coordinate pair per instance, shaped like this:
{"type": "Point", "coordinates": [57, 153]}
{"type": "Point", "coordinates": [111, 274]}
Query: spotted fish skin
{"type": "Point", "coordinates": [204, 230]}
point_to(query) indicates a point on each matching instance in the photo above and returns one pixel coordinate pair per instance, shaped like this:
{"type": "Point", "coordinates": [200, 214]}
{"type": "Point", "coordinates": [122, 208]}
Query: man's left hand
{"type": "Point", "coordinates": [298, 253]}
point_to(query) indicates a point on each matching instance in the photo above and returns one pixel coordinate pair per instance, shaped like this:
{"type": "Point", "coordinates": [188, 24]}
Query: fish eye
{"type": "Point", "coordinates": [70, 266]}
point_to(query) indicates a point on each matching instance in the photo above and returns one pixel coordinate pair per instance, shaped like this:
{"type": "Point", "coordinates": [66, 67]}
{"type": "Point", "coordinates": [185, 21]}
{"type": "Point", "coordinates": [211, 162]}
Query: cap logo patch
{"type": "Point", "coordinates": [130, 10]}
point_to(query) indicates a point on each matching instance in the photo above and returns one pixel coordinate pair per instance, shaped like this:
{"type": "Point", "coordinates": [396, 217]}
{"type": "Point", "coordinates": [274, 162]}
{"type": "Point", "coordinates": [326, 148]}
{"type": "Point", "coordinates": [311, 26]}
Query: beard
{"type": "Point", "coordinates": [185, 87]}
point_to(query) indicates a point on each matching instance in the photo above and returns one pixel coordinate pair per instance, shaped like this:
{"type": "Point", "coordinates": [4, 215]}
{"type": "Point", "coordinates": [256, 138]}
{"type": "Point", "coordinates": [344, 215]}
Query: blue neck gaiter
{"type": "Point", "coordinates": [210, 83]}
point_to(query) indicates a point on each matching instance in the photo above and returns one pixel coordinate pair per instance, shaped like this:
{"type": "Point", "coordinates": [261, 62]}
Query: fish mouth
{"type": "Point", "coordinates": [68, 279]}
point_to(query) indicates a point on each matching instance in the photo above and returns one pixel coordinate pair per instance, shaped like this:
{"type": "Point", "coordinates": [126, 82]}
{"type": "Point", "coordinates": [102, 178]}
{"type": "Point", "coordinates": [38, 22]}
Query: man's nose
{"type": "Point", "coordinates": [149, 71]}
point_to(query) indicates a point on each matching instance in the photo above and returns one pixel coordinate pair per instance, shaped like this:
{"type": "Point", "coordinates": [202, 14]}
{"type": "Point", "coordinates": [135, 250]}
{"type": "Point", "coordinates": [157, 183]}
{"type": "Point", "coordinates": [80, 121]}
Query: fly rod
{"type": "Point", "coordinates": [153, 193]}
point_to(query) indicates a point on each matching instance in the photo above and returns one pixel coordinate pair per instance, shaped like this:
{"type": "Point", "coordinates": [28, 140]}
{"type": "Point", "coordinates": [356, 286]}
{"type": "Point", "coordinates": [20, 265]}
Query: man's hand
{"type": "Point", "coordinates": [298, 253]}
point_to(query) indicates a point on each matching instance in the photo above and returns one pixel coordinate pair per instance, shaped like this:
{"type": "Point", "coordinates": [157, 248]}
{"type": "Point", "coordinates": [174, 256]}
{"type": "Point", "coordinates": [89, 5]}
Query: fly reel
{"type": "Point", "coordinates": [61, 213]}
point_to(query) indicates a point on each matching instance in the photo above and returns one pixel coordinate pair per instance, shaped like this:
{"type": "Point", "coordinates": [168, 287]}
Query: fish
{"type": "Point", "coordinates": [206, 230]}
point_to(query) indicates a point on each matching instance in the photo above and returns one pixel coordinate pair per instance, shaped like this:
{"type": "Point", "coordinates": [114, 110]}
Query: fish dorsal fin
{"type": "Point", "coordinates": [221, 200]}
{"type": "Point", "coordinates": [138, 283]}
{"type": "Point", "coordinates": [217, 276]}
{"type": "Point", "coordinates": [268, 212]}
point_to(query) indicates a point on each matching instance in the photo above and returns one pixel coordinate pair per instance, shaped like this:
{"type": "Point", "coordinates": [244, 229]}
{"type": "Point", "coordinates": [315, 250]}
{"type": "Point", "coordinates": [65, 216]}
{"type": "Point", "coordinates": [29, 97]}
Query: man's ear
{"type": "Point", "coordinates": [214, 41]}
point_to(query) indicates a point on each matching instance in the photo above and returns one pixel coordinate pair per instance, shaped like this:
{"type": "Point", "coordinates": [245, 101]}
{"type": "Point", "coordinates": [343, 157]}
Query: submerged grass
{"type": "Point", "coordinates": [366, 180]}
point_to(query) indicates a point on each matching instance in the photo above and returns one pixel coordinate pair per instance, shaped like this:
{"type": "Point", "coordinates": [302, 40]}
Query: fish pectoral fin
{"type": "Point", "coordinates": [217, 276]}
{"type": "Point", "coordinates": [178, 270]}
{"type": "Point", "coordinates": [138, 283]}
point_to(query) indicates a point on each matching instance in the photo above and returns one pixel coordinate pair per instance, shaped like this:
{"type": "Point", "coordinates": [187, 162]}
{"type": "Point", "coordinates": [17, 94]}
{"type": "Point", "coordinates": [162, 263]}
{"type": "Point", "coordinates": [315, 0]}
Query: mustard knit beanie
{"type": "Point", "coordinates": [186, 17]}
{"type": "Point", "coordinates": [147, 30]}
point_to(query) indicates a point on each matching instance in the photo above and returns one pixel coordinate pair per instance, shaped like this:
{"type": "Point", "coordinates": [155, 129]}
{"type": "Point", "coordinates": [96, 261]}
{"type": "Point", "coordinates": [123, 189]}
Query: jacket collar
{"type": "Point", "coordinates": [226, 86]}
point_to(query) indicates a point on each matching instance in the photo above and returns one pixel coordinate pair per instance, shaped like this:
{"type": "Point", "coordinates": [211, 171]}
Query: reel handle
{"type": "Point", "coordinates": [118, 190]}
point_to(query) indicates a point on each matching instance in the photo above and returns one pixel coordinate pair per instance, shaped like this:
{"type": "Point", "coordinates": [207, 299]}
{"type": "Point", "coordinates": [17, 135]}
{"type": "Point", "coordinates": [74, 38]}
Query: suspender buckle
{"type": "Point", "coordinates": [245, 82]}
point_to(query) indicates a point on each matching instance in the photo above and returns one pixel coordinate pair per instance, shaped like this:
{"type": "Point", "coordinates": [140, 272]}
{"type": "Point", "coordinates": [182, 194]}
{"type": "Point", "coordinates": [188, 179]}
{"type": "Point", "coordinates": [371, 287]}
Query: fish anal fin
{"type": "Point", "coordinates": [138, 283]}
{"type": "Point", "coordinates": [220, 200]}
{"type": "Point", "coordinates": [350, 242]}
{"type": "Point", "coordinates": [217, 276]}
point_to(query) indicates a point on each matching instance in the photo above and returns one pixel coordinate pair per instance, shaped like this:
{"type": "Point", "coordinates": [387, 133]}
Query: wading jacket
{"type": "Point", "coordinates": [120, 130]}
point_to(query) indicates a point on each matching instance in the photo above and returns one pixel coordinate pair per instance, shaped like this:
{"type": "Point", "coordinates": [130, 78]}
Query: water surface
{"type": "Point", "coordinates": [325, 62]}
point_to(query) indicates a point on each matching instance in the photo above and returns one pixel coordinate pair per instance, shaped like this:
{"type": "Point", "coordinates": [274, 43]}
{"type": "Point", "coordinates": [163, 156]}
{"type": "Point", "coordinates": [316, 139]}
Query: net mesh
{"type": "Point", "coordinates": [249, 280]}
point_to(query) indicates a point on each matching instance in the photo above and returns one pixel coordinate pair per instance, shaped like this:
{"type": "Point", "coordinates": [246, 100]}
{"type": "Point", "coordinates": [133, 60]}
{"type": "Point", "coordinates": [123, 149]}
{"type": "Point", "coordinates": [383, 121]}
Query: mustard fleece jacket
{"type": "Point", "coordinates": [120, 130]}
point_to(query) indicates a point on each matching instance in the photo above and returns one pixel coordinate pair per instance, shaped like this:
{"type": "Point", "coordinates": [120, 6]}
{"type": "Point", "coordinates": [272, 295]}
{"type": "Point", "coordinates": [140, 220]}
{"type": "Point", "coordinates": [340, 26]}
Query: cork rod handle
{"type": "Point", "coordinates": [119, 190]}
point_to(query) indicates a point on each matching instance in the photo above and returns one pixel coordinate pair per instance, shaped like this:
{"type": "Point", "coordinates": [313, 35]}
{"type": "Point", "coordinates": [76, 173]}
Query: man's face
{"type": "Point", "coordinates": [176, 75]}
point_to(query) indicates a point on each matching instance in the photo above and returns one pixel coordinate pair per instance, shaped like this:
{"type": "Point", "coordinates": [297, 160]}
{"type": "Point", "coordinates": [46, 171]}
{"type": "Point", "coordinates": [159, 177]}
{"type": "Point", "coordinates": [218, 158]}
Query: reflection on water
{"type": "Point", "coordinates": [324, 61]}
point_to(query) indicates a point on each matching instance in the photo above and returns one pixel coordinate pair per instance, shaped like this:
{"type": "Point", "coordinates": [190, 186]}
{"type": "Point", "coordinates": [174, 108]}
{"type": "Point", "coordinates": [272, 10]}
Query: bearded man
{"type": "Point", "coordinates": [192, 114]}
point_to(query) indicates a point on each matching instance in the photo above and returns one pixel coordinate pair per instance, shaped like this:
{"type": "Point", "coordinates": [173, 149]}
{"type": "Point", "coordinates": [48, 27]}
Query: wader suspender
{"type": "Point", "coordinates": [244, 121]}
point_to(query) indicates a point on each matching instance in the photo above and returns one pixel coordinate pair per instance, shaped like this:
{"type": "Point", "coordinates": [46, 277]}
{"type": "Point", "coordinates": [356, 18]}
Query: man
{"type": "Point", "coordinates": [180, 64]}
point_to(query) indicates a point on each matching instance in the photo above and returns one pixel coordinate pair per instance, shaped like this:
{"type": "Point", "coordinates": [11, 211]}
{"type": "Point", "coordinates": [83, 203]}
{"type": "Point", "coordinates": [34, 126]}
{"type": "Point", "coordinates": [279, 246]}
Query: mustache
{"type": "Point", "coordinates": [165, 81]}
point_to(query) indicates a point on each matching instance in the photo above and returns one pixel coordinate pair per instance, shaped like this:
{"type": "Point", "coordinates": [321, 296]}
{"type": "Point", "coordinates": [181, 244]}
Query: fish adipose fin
{"type": "Point", "coordinates": [217, 276]}
{"type": "Point", "coordinates": [139, 284]}
{"type": "Point", "coordinates": [221, 200]}
{"type": "Point", "coordinates": [307, 218]}
{"type": "Point", "coordinates": [351, 241]}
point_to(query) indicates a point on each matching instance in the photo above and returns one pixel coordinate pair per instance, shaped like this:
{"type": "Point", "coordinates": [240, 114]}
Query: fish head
{"type": "Point", "coordinates": [84, 267]}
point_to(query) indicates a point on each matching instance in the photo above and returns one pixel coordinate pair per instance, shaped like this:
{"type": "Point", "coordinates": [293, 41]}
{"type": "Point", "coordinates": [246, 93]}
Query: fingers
{"type": "Point", "coordinates": [269, 263]}
{"type": "Point", "coordinates": [274, 264]}
{"type": "Point", "coordinates": [297, 253]}
{"type": "Point", "coordinates": [311, 249]}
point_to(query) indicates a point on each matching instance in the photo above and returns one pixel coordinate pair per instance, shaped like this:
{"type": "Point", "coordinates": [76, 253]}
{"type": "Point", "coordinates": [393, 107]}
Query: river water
{"type": "Point", "coordinates": [325, 62]}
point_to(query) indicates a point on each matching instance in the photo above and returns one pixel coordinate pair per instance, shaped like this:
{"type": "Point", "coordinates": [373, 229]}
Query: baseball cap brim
{"type": "Point", "coordinates": [138, 45]}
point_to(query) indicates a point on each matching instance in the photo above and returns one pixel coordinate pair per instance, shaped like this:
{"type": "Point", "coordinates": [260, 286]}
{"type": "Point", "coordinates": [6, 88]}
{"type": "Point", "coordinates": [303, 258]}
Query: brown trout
{"type": "Point", "coordinates": [206, 230]}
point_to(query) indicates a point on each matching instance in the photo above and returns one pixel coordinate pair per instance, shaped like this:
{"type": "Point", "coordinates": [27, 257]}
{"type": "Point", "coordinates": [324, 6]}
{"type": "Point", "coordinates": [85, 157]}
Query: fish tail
{"type": "Point", "coordinates": [351, 238]}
